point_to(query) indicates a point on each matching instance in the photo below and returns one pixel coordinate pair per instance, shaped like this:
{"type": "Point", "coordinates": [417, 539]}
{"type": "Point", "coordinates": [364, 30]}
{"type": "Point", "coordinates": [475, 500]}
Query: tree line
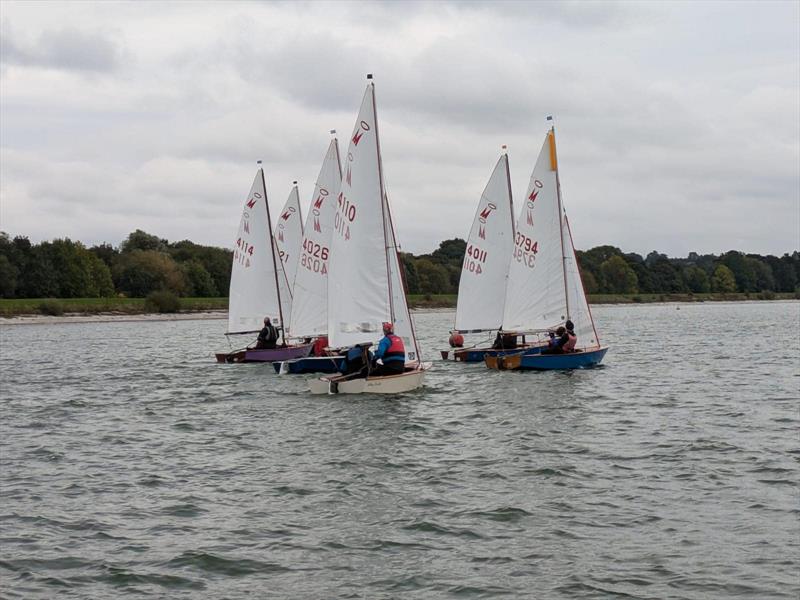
{"type": "Point", "coordinates": [144, 263]}
{"type": "Point", "coordinates": [608, 270]}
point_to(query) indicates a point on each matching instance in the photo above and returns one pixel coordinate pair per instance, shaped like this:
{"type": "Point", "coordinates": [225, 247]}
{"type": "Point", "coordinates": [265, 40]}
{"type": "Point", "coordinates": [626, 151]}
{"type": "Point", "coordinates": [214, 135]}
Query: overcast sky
{"type": "Point", "coordinates": [678, 124]}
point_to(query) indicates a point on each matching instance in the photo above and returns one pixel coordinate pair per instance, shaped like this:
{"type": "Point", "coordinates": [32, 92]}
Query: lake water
{"type": "Point", "coordinates": [132, 465]}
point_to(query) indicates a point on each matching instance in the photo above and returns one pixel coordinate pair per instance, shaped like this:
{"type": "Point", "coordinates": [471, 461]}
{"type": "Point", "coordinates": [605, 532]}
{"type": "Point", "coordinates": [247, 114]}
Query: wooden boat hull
{"type": "Point", "coordinates": [473, 355]}
{"type": "Point", "coordinates": [386, 384]}
{"type": "Point", "coordinates": [311, 364]}
{"type": "Point", "coordinates": [266, 354]}
{"type": "Point", "coordinates": [547, 362]}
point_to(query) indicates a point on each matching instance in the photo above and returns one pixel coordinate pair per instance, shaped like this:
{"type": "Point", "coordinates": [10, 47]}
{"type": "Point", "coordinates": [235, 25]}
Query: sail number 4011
{"type": "Point", "coordinates": [474, 258]}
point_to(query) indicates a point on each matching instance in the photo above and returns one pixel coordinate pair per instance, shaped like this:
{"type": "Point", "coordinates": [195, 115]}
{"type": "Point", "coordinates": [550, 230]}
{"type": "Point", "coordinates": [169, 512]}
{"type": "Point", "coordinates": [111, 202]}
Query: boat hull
{"type": "Point", "coordinates": [547, 362]}
{"type": "Point", "coordinates": [266, 354]}
{"type": "Point", "coordinates": [311, 364]}
{"type": "Point", "coordinates": [385, 384]}
{"type": "Point", "coordinates": [473, 355]}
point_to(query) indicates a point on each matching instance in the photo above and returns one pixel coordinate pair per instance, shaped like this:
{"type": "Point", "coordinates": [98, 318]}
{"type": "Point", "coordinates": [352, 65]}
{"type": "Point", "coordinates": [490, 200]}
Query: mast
{"type": "Point", "coordinates": [554, 167]}
{"type": "Point", "coordinates": [383, 200]}
{"type": "Point", "coordinates": [299, 213]}
{"type": "Point", "coordinates": [513, 221]}
{"type": "Point", "coordinates": [274, 264]}
{"type": "Point", "coordinates": [338, 158]}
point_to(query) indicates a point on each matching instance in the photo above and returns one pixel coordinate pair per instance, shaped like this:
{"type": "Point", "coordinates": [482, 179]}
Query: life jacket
{"type": "Point", "coordinates": [320, 345]}
{"type": "Point", "coordinates": [396, 349]}
{"type": "Point", "coordinates": [569, 346]}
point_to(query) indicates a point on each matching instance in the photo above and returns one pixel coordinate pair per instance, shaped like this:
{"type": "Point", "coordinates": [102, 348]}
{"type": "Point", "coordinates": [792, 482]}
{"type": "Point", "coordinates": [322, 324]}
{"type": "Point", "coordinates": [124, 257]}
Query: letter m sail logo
{"type": "Point", "coordinates": [482, 232]}
{"type": "Point", "coordinates": [317, 226]}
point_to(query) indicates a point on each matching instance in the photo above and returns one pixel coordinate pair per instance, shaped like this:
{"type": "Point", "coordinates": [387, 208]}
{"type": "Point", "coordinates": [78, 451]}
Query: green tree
{"type": "Point", "coordinates": [410, 271]}
{"type": "Point", "coordinates": [589, 282]}
{"type": "Point", "coordinates": [697, 280]}
{"type": "Point", "coordinates": [742, 269]}
{"type": "Point", "coordinates": [619, 277]}
{"type": "Point", "coordinates": [140, 272]}
{"type": "Point", "coordinates": [140, 240]}
{"type": "Point", "coordinates": [666, 277]}
{"type": "Point", "coordinates": [8, 277]}
{"type": "Point", "coordinates": [723, 280]}
{"type": "Point", "coordinates": [199, 282]}
{"type": "Point", "coordinates": [432, 277]}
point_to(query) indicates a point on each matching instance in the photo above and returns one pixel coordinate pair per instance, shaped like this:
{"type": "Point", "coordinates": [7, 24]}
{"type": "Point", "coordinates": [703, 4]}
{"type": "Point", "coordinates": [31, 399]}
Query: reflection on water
{"type": "Point", "coordinates": [132, 463]}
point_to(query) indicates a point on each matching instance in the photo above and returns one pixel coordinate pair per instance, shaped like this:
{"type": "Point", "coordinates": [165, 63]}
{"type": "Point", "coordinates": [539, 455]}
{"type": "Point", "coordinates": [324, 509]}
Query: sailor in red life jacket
{"type": "Point", "coordinates": [392, 353]}
{"type": "Point", "coordinates": [569, 345]}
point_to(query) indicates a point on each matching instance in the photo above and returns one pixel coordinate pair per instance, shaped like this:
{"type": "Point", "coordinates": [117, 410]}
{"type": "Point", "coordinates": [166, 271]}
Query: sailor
{"type": "Point", "coordinates": [557, 341]}
{"type": "Point", "coordinates": [357, 359]}
{"type": "Point", "coordinates": [569, 345]}
{"type": "Point", "coordinates": [268, 336]}
{"type": "Point", "coordinates": [391, 352]}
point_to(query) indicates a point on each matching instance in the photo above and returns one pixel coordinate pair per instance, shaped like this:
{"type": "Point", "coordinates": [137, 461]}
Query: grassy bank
{"type": "Point", "coordinates": [51, 306]}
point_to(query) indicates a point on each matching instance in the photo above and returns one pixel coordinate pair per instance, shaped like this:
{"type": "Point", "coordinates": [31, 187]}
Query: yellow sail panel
{"type": "Point", "coordinates": [551, 137]}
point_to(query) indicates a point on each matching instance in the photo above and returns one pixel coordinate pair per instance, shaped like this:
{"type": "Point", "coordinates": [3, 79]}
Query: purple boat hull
{"type": "Point", "coordinates": [266, 354]}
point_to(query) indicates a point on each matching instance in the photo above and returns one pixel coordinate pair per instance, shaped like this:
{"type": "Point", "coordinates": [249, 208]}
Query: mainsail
{"type": "Point", "coordinates": [544, 286]}
{"type": "Point", "coordinates": [258, 284]}
{"type": "Point", "coordinates": [482, 287]}
{"type": "Point", "coordinates": [310, 292]}
{"type": "Point", "coordinates": [289, 234]}
{"type": "Point", "coordinates": [364, 282]}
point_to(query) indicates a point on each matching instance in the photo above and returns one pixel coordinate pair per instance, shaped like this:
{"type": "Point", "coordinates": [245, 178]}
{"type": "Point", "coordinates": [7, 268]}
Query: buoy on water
{"type": "Point", "coordinates": [456, 340]}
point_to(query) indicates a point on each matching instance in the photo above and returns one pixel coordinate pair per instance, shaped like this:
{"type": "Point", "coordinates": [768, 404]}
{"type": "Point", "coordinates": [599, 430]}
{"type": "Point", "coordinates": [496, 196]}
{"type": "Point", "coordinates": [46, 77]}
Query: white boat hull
{"type": "Point", "coordinates": [386, 384]}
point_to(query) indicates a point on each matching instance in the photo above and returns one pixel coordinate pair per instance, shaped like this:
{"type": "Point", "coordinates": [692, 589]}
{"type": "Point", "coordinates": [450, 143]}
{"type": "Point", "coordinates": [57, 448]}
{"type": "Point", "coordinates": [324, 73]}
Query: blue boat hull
{"type": "Point", "coordinates": [548, 362]}
{"type": "Point", "coordinates": [321, 364]}
{"type": "Point", "coordinates": [472, 355]}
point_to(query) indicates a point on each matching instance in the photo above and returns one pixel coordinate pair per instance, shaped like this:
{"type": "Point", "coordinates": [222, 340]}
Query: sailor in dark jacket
{"type": "Point", "coordinates": [268, 336]}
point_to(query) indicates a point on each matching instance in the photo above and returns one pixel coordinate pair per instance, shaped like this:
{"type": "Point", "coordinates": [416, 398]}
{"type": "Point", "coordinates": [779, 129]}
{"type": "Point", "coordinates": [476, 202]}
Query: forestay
{"type": "Point", "coordinates": [482, 287]}
{"type": "Point", "coordinates": [289, 235]}
{"type": "Point", "coordinates": [310, 292]}
{"type": "Point", "coordinates": [253, 294]}
{"type": "Point", "coordinates": [579, 311]}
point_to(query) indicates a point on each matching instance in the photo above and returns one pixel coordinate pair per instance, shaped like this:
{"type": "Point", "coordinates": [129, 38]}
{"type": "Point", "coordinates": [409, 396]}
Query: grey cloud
{"type": "Point", "coordinates": [68, 49]}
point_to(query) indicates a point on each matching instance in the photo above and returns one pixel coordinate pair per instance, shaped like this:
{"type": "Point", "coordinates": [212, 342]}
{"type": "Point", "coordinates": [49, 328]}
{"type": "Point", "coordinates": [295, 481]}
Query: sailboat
{"type": "Point", "coordinates": [544, 286]}
{"type": "Point", "coordinates": [310, 291]}
{"type": "Point", "coordinates": [288, 237]}
{"type": "Point", "coordinates": [259, 287]}
{"type": "Point", "coordinates": [482, 287]}
{"type": "Point", "coordinates": [365, 283]}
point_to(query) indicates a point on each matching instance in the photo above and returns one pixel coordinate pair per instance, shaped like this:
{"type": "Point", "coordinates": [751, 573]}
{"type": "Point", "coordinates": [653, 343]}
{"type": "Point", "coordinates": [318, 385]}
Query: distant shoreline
{"type": "Point", "coordinates": [112, 310]}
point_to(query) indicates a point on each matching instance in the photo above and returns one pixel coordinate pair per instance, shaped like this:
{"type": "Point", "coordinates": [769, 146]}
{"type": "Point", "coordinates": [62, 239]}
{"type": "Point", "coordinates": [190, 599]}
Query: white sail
{"type": "Point", "coordinates": [535, 297]}
{"type": "Point", "coordinates": [482, 287]}
{"type": "Point", "coordinates": [289, 234]}
{"type": "Point", "coordinates": [579, 312]}
{"type": "Point", "coordinates": [310, 291]}
{"type": "Point", "coordinates": [544, 284]}
{"type": "Point", "coordinates": [358, 275]}
{"type": "Point", "coordinates": [403, 325]}
{"type": "Point", "coordinates": [253, 293]}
